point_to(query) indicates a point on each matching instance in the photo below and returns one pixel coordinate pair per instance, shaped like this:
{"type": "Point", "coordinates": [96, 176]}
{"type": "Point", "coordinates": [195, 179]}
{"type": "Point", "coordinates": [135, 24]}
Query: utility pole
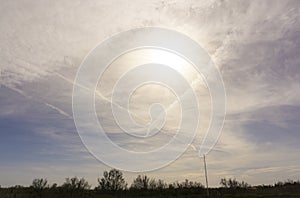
{"type": "Point", "coordinates": [206, 175]}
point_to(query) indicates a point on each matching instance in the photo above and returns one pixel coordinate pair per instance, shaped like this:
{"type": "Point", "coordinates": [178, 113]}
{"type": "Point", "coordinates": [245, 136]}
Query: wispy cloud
{"type": "Point", "coordinates": [254, 43]}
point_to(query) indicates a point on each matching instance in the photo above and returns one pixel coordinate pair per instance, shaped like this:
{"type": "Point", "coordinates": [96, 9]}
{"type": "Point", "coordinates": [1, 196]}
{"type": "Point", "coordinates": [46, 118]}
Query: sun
{"type": "Point", "coordinates": [167, 58]}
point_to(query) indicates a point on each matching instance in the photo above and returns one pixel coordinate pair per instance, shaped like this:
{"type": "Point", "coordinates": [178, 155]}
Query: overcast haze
{"type": "Point", "coordinates": [255, 44]}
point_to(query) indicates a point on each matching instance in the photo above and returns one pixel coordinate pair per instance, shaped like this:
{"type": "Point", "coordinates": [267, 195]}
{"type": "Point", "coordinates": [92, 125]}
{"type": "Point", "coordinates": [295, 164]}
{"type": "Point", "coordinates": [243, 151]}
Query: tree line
{"type": "Point", "coordinates": [113, 184]}
{"type": "Point", "coordinates": [114, 180]}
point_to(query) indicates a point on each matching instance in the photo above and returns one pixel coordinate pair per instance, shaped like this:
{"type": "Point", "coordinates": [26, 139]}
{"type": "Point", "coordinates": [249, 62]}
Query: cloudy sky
{"type": "Point", "coordinates": [255, 44]}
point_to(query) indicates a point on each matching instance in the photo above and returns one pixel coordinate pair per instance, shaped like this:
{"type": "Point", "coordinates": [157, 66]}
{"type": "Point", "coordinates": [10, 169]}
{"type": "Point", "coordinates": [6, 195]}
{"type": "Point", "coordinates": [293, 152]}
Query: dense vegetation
{"type": "Point", "coordinates": [113, 184]}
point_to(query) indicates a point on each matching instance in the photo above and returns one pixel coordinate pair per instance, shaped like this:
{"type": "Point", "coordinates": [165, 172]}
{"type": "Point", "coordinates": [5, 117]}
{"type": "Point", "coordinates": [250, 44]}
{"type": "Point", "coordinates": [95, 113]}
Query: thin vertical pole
{"type": "Point", "coordinates": [206, 176]}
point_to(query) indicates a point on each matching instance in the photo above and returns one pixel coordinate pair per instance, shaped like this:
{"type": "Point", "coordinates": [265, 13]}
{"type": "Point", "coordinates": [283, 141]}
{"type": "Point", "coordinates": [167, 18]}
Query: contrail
{"type": "Point", "coordinates": [58, 110]}
{"type": "Point", "coordinates": [110, 101]}
{"type": "Point", "coordinates": [97, 94]}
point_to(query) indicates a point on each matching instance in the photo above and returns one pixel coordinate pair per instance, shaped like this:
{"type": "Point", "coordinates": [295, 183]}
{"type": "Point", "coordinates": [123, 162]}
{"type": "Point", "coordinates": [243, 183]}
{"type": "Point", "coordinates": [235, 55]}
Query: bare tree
{"type": "Point", "coordinates": [142, 182]}
{"type": "Point", "coordinates": [112, 181]}
{"type": "Point", "coordinates": [39, 184]}
{"type": "Point", "coordinates": [157, 184]}
{"type": "Point", "coordinates": [233, 183]}
{"type": "Point", "coordinates": [76, 184]}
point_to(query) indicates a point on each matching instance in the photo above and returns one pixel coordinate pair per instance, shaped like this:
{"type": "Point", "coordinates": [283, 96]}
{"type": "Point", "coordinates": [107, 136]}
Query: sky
{"type": "Point", "coordinates": [255, 45]}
